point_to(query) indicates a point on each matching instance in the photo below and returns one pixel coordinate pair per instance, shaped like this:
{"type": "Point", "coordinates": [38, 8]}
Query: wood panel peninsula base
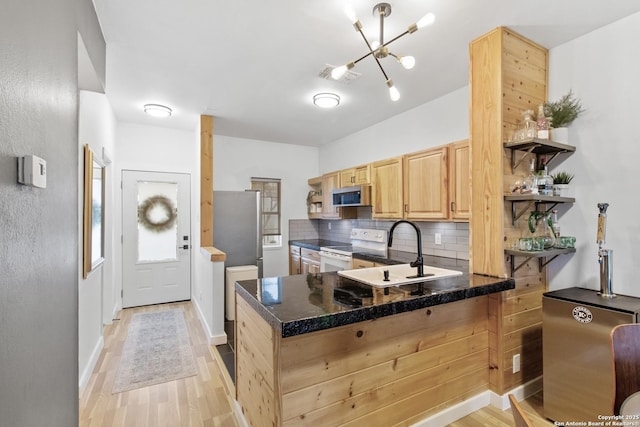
{"type": "Point", "coordinates": [304, 356]}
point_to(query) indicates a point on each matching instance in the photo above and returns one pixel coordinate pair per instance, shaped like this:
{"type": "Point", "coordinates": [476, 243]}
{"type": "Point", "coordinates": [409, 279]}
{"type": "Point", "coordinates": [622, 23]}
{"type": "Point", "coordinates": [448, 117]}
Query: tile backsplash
{"type": "Point", "coordinates": [454, 235]}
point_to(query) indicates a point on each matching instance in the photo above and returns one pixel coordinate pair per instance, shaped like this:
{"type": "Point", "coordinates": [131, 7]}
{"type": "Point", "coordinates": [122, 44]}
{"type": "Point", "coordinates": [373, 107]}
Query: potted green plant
{"type": "Point", "coordinates": [563, 112]}
{"type": "Point", "coordinates": [561, 182]}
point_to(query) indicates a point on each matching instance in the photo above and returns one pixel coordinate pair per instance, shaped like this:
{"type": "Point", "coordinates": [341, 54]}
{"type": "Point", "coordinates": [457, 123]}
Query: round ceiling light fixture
{"type": "Point", "coordinates": [326, 100]}
{"type": "Point", "coordinates": [157, 110]}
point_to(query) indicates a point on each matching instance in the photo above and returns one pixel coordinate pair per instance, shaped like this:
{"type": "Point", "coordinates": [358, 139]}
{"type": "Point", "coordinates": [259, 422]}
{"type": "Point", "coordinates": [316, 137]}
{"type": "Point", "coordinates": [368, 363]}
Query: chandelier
{"type": "Point", "coordinates": [379, 49]}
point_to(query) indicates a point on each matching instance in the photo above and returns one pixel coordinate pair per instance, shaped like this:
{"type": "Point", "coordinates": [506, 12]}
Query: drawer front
{"type": "Point", "coordinates": [360, 263]}
{"type": "Point", "coordinates": [310, 254]}
{"type": "Point", "coordinates": [294, 250]}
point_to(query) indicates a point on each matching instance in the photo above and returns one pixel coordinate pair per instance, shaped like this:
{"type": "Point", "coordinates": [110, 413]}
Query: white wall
{"type": "Point", "coordinates": [158, 149]}
{"type": "Point", "coordinates": [236, 160]}
{"type": "Point", "coordinates": [438, 122]}
{"type": "Point", "coordinates": [96, 301]}
{"type": "Point", "coordinates": [602, 69]}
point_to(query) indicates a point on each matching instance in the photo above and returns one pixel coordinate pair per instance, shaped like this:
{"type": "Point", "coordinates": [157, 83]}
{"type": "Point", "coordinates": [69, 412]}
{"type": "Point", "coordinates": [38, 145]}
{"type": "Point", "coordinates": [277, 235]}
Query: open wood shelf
{"type": "Point", "coordinates": [533, 199]}
{"type": "Point", "coordinates": [541, 255]}
{"type": "Point", "coordinates": [538, 147]}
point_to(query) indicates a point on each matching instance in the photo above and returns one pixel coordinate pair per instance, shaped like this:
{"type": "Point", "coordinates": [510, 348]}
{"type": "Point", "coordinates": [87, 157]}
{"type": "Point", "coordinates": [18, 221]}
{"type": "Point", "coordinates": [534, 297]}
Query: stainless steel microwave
{"type": "Point", "coordinates": [360, 195]}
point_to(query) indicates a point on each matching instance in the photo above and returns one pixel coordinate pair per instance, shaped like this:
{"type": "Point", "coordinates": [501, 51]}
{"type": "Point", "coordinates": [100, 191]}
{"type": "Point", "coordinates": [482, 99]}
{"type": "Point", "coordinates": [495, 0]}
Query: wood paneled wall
{"type": "Point", "coordinates": [396, 369]}
{"type": "Point", "coordinates": [255, 367]}
{"type": "Point", "coordinates": [508, 74]}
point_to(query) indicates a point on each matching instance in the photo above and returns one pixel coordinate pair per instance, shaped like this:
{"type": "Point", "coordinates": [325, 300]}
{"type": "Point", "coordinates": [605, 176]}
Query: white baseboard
{"type": "Point", "coordinates": [455, 412]}
{"type": "Point", "coordinates": [211, 339]}
{"type": "Point", "coordinates": [116, 309]}
{"type": "Point", "coordinates": [91, 364]}
{"type": "Point", "coordinates": [521, 392]}
{"type": "Point", "coordinates": [218, 339]}
{"type": "Point", "coordinates": [237, 412]}
{"type": "Point", "coordinates": [114, 313]}
{"type": "Point", "coordinates": [479, 401]}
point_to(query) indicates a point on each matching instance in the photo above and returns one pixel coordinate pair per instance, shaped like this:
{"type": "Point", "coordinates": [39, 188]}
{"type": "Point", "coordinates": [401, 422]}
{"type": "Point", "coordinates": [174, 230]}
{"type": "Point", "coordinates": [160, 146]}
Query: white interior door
{"type": "Point", "coordinates": [156, 244]}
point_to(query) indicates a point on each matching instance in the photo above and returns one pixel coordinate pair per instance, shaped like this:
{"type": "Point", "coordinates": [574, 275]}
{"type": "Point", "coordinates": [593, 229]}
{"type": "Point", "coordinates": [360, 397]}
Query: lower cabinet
{"type": "Point", "coordinates": [303, 260]}
{"type": "Point", "coordinates": [294, 260]}
{"type": "Point", "coordinates": [309, 261]}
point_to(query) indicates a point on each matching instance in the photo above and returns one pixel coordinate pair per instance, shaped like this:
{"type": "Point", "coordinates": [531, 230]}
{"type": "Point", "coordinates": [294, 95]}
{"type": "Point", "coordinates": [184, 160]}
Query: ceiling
{"type": "Point", "coordinates": [254, 65]}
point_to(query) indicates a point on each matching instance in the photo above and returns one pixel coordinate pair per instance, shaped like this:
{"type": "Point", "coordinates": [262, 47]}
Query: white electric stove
{"type": "Point", "coordinates": [363, 240]}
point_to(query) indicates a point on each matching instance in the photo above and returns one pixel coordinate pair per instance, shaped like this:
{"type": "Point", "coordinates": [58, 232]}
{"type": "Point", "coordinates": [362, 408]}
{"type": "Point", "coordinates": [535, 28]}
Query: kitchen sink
{"type": "Point", "coordinates": [399, 274]}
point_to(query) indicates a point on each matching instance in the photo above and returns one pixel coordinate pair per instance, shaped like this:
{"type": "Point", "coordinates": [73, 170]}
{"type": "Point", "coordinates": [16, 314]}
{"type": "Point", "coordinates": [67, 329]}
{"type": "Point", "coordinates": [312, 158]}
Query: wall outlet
{"type": "Point", "coordinates": [329, 226]}
{"type": "Point", "coordinates": [516, 363]}
{"type": "Point", "coordinates": [438, 238]}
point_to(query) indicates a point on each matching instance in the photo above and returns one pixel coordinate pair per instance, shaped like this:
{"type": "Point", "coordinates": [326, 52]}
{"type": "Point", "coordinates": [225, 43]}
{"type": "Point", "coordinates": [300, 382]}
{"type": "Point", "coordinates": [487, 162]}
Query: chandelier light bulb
{"type": "Point", "coordinates": [393, 92]}
{"type": "Point", "coordinates": [351, 14]}
{"type": "Point", "coordinates": [378, 49]}
{"type": "Point", "coordinates": [426, 20]}
{"type": "Point", "coordinates": [338, 72]}
{"type": "Point", "coordinates": [408, 62]}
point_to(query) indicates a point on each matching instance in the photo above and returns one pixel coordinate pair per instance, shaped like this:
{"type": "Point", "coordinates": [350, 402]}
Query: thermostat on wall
{"type": "Point", "coordinates": [32, 170]}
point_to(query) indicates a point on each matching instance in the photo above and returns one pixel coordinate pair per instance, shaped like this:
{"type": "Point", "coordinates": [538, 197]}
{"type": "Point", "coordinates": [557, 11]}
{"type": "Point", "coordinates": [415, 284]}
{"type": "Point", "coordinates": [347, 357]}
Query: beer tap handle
{"type": "Point", "coordinates": [602, 223]}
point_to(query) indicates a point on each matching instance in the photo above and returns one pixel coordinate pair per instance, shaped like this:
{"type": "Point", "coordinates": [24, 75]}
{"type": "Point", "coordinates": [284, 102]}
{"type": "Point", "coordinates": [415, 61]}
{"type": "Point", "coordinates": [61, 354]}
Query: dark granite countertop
{"type": "Point", "coordinates": [392, 256]}
{"type": "Point", "coordinates": [315, 244]}
{"type": "Point", "coordinates": [400, 257]}
{"type": "Point", "coordinates": [300, 304]}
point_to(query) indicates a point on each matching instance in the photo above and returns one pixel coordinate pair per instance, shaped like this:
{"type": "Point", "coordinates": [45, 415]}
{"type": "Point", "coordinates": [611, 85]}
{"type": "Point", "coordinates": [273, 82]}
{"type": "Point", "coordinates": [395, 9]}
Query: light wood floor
{"type": "Point", "coordinates": [204, 399]}
{"type": "Point", "coordinates": [201, 400]}
{"type": "Point", "coordinates": [490, 416]}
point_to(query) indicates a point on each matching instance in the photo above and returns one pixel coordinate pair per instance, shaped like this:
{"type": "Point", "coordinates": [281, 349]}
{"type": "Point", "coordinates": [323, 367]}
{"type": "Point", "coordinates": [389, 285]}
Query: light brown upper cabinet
{"type": "Point", "coordinates": [426, 184]}
{"type": "Point", "coordinates": [459, 181]}
{"type": "Point", "coordinates": [386, 188]}
{"type": "Point", "coordinates": [360, 175]}
{"type": "Point", "coordinates": [329, 182]}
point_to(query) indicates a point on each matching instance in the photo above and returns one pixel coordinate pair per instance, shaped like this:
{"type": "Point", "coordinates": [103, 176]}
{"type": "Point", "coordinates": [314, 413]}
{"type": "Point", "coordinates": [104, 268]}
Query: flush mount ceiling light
{"type": "Point", "coordinates": [326, 100]}
{"type": "Point", "coordinates": [157, 110]}
{"type": "Point", "coordinates": [379, 49]}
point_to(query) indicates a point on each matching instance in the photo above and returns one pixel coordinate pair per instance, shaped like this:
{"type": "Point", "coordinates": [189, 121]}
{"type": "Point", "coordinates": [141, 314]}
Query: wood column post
{"type": "Point", "coordinates": [206, 181]}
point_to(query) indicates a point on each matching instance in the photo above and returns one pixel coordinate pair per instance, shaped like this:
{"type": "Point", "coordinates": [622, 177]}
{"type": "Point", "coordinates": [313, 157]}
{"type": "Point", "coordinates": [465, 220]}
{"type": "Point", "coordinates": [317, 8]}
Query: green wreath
{"type": "Point", "coordinates": [149, 205]}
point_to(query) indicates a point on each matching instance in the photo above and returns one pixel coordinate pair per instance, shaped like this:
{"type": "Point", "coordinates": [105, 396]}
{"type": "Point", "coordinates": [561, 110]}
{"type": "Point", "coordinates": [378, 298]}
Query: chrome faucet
{"type": "Point", "coordinates": [419, 261]}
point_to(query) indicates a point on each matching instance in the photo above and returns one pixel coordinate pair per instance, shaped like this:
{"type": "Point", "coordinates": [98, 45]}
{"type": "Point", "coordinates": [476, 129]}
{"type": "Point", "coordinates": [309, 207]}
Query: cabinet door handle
{"type": "Point", "coordinates": [452, 206]}
{"type": "Point", "coordinates": [406, 207]}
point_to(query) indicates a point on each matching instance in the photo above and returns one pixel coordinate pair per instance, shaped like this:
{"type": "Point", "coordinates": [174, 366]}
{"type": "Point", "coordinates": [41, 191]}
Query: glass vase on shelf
{"type": "Point", "coordinates": [529, 127]}
{"type": "Point", "coordinates": [513, 134]}
{"type": "Point", "coordinates": [542, 124]}
{"type": "Point", "coordinates": [530, 183]}
{"type": "Point", "coordinates": [541, 224]}
{"type": "Point", "coordinates": [545, 181]}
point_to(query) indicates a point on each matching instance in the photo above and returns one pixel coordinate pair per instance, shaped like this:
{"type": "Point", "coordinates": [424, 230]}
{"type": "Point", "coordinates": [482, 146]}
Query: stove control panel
{"type": "Point", "coordinates": [369, 235]}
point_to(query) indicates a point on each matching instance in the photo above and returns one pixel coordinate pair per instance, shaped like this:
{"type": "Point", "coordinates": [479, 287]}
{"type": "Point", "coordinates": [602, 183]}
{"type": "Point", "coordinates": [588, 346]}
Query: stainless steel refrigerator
{"type": "Point", "coordinates": [577, 361]}
{"type": "Point", "coordinates": [237, 227]}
